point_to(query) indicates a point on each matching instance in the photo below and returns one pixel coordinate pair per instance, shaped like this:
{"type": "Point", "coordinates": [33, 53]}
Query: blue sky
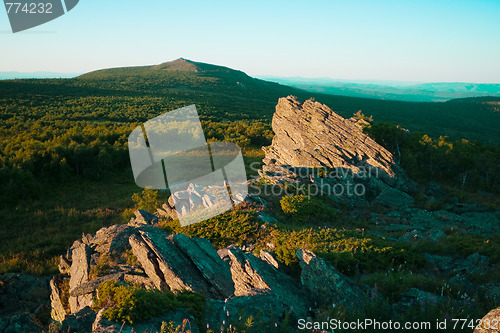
{"type": "Point", "coordinates": [439, 40]}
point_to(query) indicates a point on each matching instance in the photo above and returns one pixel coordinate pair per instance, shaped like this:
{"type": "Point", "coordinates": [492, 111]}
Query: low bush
{"type": "Point", "coordinates": [131, 304]}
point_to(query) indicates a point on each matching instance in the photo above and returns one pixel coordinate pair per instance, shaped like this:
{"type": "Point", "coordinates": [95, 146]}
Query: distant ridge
{"type": "Point", "coordinates": [393, 90]}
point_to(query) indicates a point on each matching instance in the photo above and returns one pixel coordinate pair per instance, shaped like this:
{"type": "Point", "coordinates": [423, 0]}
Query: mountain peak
{"type": "Point", "coordinates": [179, 64]}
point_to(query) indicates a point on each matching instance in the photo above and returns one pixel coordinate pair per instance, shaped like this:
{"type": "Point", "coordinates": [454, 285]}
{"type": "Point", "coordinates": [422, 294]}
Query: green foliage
{"type": "Point", "coordinates": [147, 199]}
{"type": "Point", "coordinates": [360, 116]}
{"type": "Point", "coordinates": [346, 249]}
{"type": "Point", "coordinates": [103, 266]}
{"type": "Point", "coordinates": [233, 227]}
{"type": "Point", "coordinates": [460, 163]}
{"type": "Point", "coordinates": [303, 208]}
{"type": "Point", "coordinates": [457, 243]}
{"type": "Point", "coordinates": [132, 304]}
{"type": "Point", "coordinates": [292, 204]}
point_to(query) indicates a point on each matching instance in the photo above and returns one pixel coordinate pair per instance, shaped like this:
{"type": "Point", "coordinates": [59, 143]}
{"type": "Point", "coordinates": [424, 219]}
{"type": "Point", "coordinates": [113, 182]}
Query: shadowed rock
{"type": "Point", "coordinates": [181, 263]}
{"type": "Point", "coordinates": [91, 286]}
{"type": "Point", "coordinates": [148, 261]}
{"type": "Point", "coordinates": [251, 273]}
{"type": "Point", "coordinates": [205, 257]}
{"type": "Point", "coordinates": [327, 284]}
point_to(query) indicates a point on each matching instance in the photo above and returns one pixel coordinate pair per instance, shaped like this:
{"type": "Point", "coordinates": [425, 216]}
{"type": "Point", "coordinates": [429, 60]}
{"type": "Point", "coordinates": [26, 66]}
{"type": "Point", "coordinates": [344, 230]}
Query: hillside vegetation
{"type": "Point", "coordinates": [64, 164]}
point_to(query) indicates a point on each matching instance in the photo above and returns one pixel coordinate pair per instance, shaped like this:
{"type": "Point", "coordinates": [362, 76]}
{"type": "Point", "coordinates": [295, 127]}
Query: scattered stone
{"type": "Point", "coordinates": [462, 282]}
{"type": "Point", "coordinates": [256, 200]}
{"type": "Point", "coordinates": [269, 258]}
{"type": "Point", "coordinates": [393, 198]}
{"type": "Point", "coordinates": [23, 299]}
{"type": "Point", "coordinates": [264, 217]}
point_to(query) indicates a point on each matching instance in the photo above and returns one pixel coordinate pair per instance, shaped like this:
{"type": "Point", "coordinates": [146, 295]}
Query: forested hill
{"type": "Point", "coordinates": [186, 75]}
{"type": "Point", "coordinates": [224, 94]}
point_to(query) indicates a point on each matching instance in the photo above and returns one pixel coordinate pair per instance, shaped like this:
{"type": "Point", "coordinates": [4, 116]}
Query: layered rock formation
{"type": "Point", "coordinates": [232, 279]}
{"type": "Point", "coordinates": [315, 146]}
{"type": "Point", "coordinates": [311, 135]}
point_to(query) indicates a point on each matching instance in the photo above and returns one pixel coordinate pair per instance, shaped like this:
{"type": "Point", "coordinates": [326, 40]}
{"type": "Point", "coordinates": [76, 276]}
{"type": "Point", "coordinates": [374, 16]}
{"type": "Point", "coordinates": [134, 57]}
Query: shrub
{"type": "Point", "coordinates": [303, 208]}
{"type": "Point", "coordinates": [103, 266]}
{"type": "Point", "coordinates": [148, 200]}
{"type": "Point", "coordinates": [293, 204]}
{"type": "Point", "coordinates": [347, 250]}
{"type": "Point", "coordinates": [232, 227]}
{"type": "Point", "coordinates": [131, 304]}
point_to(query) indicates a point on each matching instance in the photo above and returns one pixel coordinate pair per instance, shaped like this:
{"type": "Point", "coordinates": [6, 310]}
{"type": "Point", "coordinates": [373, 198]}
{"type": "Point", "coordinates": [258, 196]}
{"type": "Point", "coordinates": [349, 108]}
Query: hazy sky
{"type": "Point", "coordinates": [409, 40]}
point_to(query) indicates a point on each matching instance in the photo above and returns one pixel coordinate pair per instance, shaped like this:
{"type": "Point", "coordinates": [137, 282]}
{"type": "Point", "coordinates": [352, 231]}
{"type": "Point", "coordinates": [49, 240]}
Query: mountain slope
{"type": "Point", "coordinates": [183, 75]}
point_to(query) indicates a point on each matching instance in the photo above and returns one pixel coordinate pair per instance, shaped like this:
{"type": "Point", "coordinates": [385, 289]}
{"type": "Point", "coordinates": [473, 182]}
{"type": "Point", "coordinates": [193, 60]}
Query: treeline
{"type": "Point", "coordinates": [458, 163]}
{"type": "Point", "coordinates": [38, 147]}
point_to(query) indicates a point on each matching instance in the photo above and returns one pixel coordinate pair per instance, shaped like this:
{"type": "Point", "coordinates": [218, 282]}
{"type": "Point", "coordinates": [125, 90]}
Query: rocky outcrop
{"type": "Point", "coordinates": [315, 147]}
{"type": "Point", "coordinates": [233, 280]}
{"type": "Point", "coordinates": [311, 135]}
